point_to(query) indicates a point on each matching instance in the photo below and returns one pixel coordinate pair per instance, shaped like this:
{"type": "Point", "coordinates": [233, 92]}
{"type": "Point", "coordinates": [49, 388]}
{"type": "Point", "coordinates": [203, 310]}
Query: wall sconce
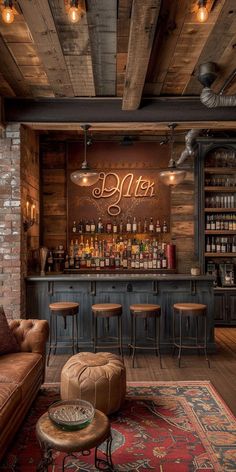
{"type": "Point", "coordinates": [7, 12]}
{"type": "Point", "coordinates": [30, 218]}
{"type": "Point", "coordinates": [75, 11]}
{"type": "Point", "coordinates": [202, 12]}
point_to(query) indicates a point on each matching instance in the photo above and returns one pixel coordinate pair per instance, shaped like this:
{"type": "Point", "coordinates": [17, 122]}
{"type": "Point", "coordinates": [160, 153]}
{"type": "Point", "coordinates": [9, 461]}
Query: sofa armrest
{"type": "Point", "coordinates": [31, 334]}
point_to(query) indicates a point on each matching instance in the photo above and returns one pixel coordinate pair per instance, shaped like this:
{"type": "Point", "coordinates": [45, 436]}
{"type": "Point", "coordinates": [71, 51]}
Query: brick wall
{"type": "Point", "coordinates": [10, 221]}
{"type": "Point", "coordinates": [19, 183]}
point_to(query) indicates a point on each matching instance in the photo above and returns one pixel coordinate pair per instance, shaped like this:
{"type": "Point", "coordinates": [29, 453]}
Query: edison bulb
{"type": "Point", "coordinates": [74, 14]}
{"type": "Point", "coordinates": [202, 14]}
{"type": "Point", "coordinates": [7, 15]}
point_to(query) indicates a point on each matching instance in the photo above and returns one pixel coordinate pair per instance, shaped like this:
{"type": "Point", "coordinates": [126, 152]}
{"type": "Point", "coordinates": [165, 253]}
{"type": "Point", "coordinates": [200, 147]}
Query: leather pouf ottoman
{"type": "Point", "coordinates": [98, 378]}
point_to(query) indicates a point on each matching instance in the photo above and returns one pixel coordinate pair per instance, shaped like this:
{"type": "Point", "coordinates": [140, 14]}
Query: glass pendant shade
{"type": "Point", "coordinates": [172, 176]}
{"type": "Point", "coordinates": [84, 177]}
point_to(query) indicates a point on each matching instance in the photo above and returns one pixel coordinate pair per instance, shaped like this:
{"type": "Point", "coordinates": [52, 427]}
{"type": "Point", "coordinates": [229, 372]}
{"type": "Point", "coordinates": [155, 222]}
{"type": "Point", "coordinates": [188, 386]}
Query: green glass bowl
{"type": "Point", "coordinates": [71, 415]}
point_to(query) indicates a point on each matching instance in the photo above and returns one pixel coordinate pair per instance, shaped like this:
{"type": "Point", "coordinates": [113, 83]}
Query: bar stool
{"type": "Point", "coordinates": [182, 341]}
{"type": "Point", "coordinates": [63, 309]}
{"type": "Point", "coordinates": [106, 311]}
{"type": "Point", "coordinates": [145, 311]}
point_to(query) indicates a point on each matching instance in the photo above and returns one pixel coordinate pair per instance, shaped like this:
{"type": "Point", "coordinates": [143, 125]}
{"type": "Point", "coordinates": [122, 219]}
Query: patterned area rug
{"type": "Point", "coordinates": [162, 427]}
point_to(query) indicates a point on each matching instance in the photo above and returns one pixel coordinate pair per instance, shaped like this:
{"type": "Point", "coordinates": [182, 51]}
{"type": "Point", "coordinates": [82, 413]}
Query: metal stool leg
{"type": "Point", "coordinates": [134, 340]}
{"type": "Point", "coordinates": [205, 341]}
{"type": "Point", "coordinates": [120, 335]}
{"type": "Point", "coordinates": [180, 337]}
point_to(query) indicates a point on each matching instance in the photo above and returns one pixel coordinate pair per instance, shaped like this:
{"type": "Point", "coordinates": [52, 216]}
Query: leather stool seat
{"type": "Point", "coordinates": [145, 311]}
{"type": "Point", "coordinates": [65, 310]}
{"type": "Point", "coordinates": [106, 340]}
{"type": "Point", "coordinates": [98, 378]}
{"type": "Point", "coordinates": [186, 311]}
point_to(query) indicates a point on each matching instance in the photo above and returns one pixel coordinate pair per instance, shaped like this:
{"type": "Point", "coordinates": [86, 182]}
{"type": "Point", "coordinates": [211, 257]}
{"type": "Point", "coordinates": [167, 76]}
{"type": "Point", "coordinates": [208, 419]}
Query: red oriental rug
{"type": "Point", "coordinates": [162, 427]}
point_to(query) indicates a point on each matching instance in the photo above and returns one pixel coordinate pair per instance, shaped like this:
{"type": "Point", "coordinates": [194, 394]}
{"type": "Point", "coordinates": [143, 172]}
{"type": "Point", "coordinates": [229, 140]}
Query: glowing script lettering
{"type": "Point", "coordinates": [113, 186]}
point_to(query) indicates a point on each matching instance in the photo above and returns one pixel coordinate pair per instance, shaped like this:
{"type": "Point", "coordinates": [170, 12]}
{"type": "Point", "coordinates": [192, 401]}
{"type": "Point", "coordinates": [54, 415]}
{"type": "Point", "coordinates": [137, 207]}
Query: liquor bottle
{"type": "Point", "coordinates": [128, 225]}
{"type": "Point", "coordinates": [164, 262]}
{"type": "Point", "coordinates": [121, 227]}
{"type": "Point", "coordinates": [158, 227]}
{"type": "Point", "coordinates": [218, 245]}
{"type": "Point", "coordinates": [81, 227]}
{"type": "Point", "coordinates": [92, 227]}
{"type": "Point", "coordinates": [139, 226]}
{"type": "Point", "coordinates": [100, 225]}
{"type": "Point", "coordinates": [71, 248]}
{"type": "Point", "coordinates": [208, 245]}
{"type": "Point", "coordinates": [134, 225]}
{"type": "Point", "coordinates": [87, 227]}
{"type": "Point", "coordinates": [213, 245]}
{"type": "Point", "coordinates": [77, 262]}
{"type": "Point", "coordinates": [108, 227]}
{"type": "Point", "coordinates": [145, 226]}
{"type": "Point", "coordinates": [71, 262]}
{"type": "Point", "coordinates": [74, 229]}
{"type": "Point", "coordinates": [151, 226]}
{"type": "Point", "coordinates": [164, 228]}
{"type": "Point", "coordinates": [115, 228]}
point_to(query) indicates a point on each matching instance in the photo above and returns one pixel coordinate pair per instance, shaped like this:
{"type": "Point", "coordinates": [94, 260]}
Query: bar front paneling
{"type": "Point", "coordinates": [126, 289]}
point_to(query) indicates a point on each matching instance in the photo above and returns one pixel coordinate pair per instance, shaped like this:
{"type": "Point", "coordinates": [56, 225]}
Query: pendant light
{"type": "Point", "coordinates": [202, 12]}
{"type": "Point", "coordinates": [75, 11]}
{"type": "Point", "coordinates": [85, 177]}
{"type": "Point", "coordinates": [172, 175]}
{"type": "Point", "coordinates": [7, 12]}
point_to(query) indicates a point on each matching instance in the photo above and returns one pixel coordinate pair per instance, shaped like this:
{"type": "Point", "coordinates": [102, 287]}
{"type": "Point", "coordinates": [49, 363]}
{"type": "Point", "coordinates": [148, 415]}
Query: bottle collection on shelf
{"type": "Point", "coordinates": [113, 253]}
{"type": "Point", "coordinates": [220, 181]}
{"type": "Point", "coordinates": [221, 221]}
{"type": "Point", "coordinates": [221, 244]}
{"type": "Point", "coordinates": [128, 226]}
{"type": "Point", "coordinates": [221, 201]}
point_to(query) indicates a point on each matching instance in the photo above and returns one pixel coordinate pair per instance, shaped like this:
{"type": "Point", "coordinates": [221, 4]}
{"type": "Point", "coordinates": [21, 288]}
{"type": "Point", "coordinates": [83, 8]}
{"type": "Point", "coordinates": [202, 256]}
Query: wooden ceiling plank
{"type": "Point", "coordinates": [11, 72]}
{"type": "Point", "coordinates": [191, 41]}
{"type": "Point", "coordinates": [123, 27]}
{"type": "Point", "coordinates": [143, 24]}
{"type": "Point", "coordinates": [75, 42]}
{"type": "Point", "coordinates": [102, 23]}
{"type": "Point", "coordinates": [222, 37]}
{"type": "Point", "coordinates": [44, 33]}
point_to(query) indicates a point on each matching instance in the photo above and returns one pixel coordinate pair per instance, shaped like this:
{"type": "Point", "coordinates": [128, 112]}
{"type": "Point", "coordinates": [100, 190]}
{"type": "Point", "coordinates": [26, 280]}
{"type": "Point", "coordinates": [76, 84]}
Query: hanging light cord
{"type": "Point", "coordinates": [172, 127]}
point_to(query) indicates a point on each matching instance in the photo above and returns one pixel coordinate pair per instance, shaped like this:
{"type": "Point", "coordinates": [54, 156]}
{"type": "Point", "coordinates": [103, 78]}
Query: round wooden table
{"type": "Point", "coordinates": [83, 440]}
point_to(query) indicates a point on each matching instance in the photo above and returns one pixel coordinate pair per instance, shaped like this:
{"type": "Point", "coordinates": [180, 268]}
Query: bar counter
{"type": "Point", "coordinates": [125, 288]}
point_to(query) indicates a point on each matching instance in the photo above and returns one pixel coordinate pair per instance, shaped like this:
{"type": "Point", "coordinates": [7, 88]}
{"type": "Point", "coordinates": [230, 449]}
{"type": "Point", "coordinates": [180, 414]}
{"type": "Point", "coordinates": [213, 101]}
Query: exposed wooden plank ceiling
{"type": "Point", "coordinates": [129, 49]}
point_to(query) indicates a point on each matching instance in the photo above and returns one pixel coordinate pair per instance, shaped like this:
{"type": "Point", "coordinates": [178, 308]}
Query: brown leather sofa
{"type": "Point", "coordinates": [21, 374]}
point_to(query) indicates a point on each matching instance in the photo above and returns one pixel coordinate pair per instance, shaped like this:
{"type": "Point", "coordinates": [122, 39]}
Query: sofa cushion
{"type": "Point", "coordinates": [21, 368]}
{"type": "Point", "coordinates": [8, 341]}
{"type": "Point", "coordinates": [10, 397]}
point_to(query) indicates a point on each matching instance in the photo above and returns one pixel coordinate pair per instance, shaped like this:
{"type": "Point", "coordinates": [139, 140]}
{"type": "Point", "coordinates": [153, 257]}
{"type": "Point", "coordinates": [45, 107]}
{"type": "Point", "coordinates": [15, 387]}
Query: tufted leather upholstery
{"type": "Point", "coordinates": [98, 378]}
{"type": "Point", "coordinates": [21, 374]}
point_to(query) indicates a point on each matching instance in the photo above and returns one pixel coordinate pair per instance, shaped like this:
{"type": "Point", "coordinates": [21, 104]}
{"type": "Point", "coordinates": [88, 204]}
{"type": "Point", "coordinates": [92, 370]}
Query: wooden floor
{"type": "Point", "coordinates": [222, 373]}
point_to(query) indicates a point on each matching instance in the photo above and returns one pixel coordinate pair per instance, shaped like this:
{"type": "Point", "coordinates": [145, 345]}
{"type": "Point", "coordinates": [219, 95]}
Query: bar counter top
{"type": "Point", "coordinates": [113, 276]}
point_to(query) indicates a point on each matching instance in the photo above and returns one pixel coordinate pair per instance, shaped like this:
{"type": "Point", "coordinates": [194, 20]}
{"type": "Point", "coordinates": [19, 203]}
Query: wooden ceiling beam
{"type": "Point", "coordinates": [38, 15]}
{"type": "Point", "coordinates": [142, 31]}
{"type": "Point", "coordinates": [102, 23]}
{"type": "Point", "coordinates": [109, 110]}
